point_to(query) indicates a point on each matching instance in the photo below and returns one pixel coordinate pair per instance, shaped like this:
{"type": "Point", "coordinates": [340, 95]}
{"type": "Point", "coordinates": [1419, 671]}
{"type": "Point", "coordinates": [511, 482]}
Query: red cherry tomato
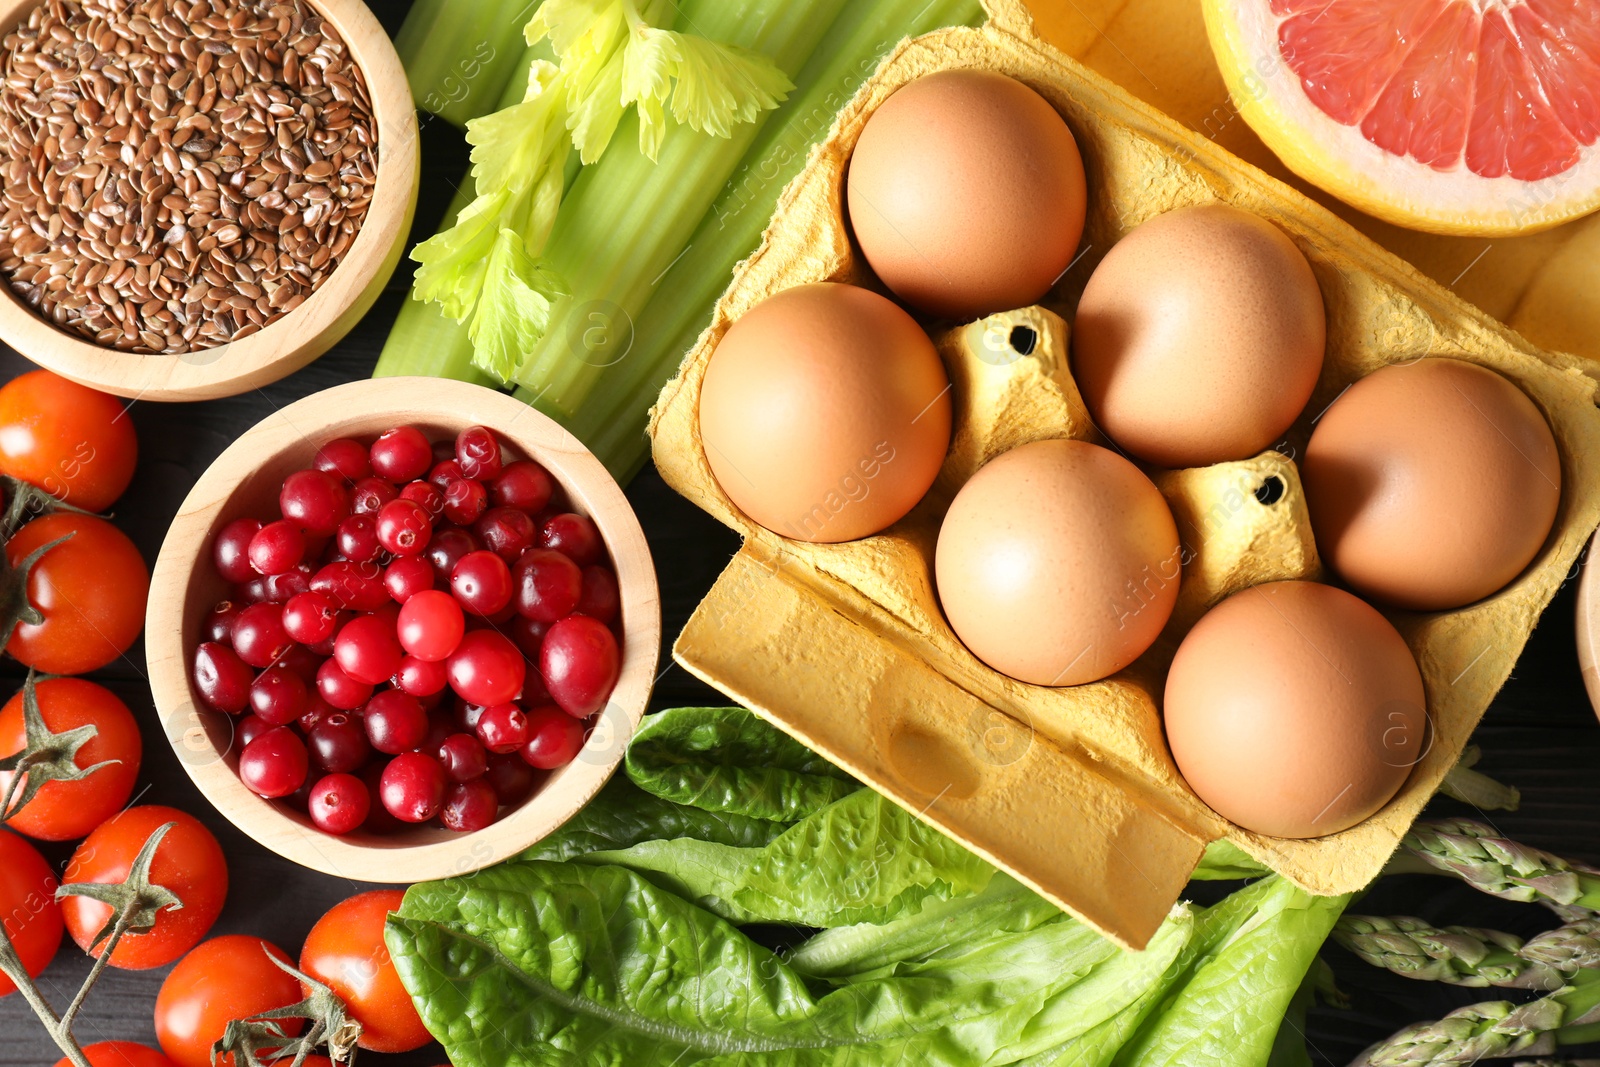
{"type": "Point", "coordinates": [75, 443]}
{"type": "Point", "coordinates": [346, 952]}
{"type": "Point", "coordinates": [226, 978]}
{"type": "Point", "coordinates": [62, 811]}
{"type": "Point", "coordinates": [188, 861]}
{"type": "Point", "coordinates": [120, 1054]}
{"type": "Point", "coordinates": [91, 590]}
{"type": "Point", "coordinates": [28, 906]}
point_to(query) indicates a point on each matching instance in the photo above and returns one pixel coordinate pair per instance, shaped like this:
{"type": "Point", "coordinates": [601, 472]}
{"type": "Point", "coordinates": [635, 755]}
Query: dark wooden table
{"type": "Point", "coordinates": [1540, 735]}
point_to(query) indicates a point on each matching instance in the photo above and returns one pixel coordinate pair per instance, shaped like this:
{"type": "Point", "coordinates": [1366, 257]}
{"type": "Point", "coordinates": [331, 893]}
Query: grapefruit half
{"type": "Point", "coordinates": [1455, 116]}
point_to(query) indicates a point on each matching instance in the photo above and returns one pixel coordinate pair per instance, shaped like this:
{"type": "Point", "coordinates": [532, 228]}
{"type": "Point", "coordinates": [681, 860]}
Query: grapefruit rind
{"type": "Point", "coordinates": [1339, 158]}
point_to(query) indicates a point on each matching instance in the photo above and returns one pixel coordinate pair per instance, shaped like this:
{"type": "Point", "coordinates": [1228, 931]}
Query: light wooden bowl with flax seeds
{"type": "Point", "coordinates": [239, 281]}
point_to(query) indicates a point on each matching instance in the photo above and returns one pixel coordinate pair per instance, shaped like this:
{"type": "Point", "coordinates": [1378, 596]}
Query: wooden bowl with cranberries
{"type": "Point", "coordinates": [403, 629]}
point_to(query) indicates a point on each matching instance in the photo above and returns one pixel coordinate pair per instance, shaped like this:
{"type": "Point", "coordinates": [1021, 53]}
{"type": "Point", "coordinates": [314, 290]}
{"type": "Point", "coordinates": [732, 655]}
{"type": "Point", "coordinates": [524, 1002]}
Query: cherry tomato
{"type": "Point", "coordinates": [226, 978]}
{"type": "Point", "coordinates": [90, 589]}
{"type": "Point", "coordinates": [120, 1054]}
{"type": "Point", "coordinates": [28, 906]}
{"type": "Point", "coordinates": [75, 443]}
{"type": "Point", "coordinates": [346, 952]}
{"type": "Point", "coordinates": [188, 861]}
{"type": "Point", "coordinates": [62, 811]}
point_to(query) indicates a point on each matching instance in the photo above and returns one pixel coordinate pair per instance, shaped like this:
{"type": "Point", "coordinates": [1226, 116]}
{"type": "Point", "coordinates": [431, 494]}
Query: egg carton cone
{"type": "Point", "coordinates": [1072, 790]}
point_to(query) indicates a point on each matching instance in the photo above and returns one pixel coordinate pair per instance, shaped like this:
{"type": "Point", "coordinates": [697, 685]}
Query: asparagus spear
{"type": "Point", "coordinates": [1475, 853]}
{"type": "Point", "coordinates": [1467, 956]}
{"type": "Point", "coordinates": [1476, 788]}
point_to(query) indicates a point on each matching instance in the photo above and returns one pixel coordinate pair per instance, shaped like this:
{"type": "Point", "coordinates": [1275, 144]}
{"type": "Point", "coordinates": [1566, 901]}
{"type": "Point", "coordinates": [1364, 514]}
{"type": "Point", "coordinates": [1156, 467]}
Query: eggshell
{"type": "Point", "coordinates": [826, 413]}
{"type": "Point", "coordinates": [1199, 337]}
{"type": "Point", "coordinates": [1295, 710]}
{"type": "Point", "coordinates": [1058, 563]}
{"type": "Point", "coordinates": [1431, 484]}
{"type": "Point", "coordinates": [966, 193]}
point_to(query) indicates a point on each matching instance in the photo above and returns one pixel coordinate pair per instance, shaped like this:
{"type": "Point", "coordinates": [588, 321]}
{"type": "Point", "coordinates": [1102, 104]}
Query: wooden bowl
{"type": "Point", "coordinates": [310, 329]}
{"type": "Point", "coordinates": [244, 481]}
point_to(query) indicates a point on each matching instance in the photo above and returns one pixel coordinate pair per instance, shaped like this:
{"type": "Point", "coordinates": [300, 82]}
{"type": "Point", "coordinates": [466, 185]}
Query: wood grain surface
{"type": "Point", "coordinates": [1540, 735]}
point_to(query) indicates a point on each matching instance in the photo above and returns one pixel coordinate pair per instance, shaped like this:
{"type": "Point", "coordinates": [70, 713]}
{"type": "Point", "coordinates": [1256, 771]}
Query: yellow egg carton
{"type": "Point", "coordinates": [1072, 790]}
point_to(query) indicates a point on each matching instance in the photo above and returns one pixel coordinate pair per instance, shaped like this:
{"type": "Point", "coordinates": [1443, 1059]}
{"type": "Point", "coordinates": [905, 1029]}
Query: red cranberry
{"type": "Point", "coordinates": [277, 547]}
{"type": "Point", "coordinates": [338, 743]}
{"type": "Point", "coordinates": [478, 452]}
{"type": "Point", "coordinates": [367, 649]}
{"type": "Point", "coordinates": [379, 821]}
{"type": "Point", "coordinates": [421, 678]}
{"type": "Point", "coordinates": [512, 778]}
{"type": "Point", "coordinates": [506, 532]}
{"type": "Point", "coordinates": [369, 495]}
{"type": "Point", "coordinates": [523, 484]}
{"type": "Point", "coordinates": [310, 618]}
{"type": "Point", "coordinates": [554, 738]}
{"type": "Point", "coordinates": [528, 635]}
{"type": "Point", "coordinates": [426, 495]}
{"type": "Point", "coordinates": [404, 527]}
{"type": "Point", "coordinates": [338, 804]}
{"type": "Point", "coordinates": [431, 625]}
{"type": "Point", "coordinates": [412, 787]}
{"type": "Point", "coordinates": [465, 501]}
{"type": "Point", "coordinates": [274, 588]}
{"type": "Point", "coordinates": [481, 583]}
{"type": "Point", "coordinates": [247, 730]}
{"type": "Point", "coordinates": [274, 764]}
{"type": "Point", "coordinates": [469, 806]}
{"type": "Point", "coordinates": [486, 668]}
{"type": "Point", "coordinates": [345, 458]}
{"type": "Point", "coordinates": [445, 471]}
{"type": "Point", "coordinates": [402, 454]}
{"type": "Point", "coordinates": [574, 536]}
{"type": "Point", "coordinates": [395, 722]}
{"type": "Point", "coordinates": [314, 500]}
{"type": "Point", "coordinates": [258, 635]}
{"type": "Point", "coordinates": [231, 551]}
{"type": "Point", "coordinates": [352, 586]}
{"type": "Point", "coordinates": [339, 689]}
{"type": "Point", "coordinates": [503, 728]}
{"type": "Point", "coordinates": [222, 678]}
{"type": "Point", "coordinates": [219, 622]}
{"type": "Point", "coordinates": [580, 662]}
{"type": "Point", "coordinates": [408, 576]}
{"type": "Point", "coordinates": [463, 757]}
{"type": "Point", "coordinates": [357, 538]}
{"type": "Point", "coordinates": [302, 661]}
{"type": "Point", "coordinates": [548, 585]}
{"type": "Point", "coordinates": [446, 548]}
{"type": "Point", "coordinates": [601, 598]}
{"type": "Point", "coordinates": [317, 709]}
{"type": "Point", "coordinates": [278, 696]}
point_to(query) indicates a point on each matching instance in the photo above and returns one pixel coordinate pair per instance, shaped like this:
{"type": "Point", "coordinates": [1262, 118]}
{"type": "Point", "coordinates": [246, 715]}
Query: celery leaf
{"type": "Point", "coordinates": [514, 308]}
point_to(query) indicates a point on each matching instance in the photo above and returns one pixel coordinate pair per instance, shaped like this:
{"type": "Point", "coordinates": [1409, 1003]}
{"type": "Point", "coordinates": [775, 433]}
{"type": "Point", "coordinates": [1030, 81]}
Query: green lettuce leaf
{"type": "Point", "coordinates": [622, 815]}
{"type": "Point", "coordinates": [1225, 861]}
{"type": "Point", "coordinates": [861, 859]}
{"type": "Point", "coordinates": [727, 760]}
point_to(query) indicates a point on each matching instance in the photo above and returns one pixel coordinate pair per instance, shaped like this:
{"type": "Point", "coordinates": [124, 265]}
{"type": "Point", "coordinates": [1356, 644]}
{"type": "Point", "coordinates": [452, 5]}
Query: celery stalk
{"type": "Point", "coordinates": [653, 206]}
{"type": "Point", "coordinates": [460, 55]}
{"type": "Point", "coordinates": [611, 414]}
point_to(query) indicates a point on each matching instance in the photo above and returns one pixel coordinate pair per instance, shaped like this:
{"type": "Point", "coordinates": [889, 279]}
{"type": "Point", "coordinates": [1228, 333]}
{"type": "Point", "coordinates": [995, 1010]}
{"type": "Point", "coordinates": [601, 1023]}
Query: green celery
{"type": "Point", "coordinates": [460, 55]}
{"type": "Point", "coordinates": [610, 418]}
{"type": "Point", "coordinates": [628, 217]}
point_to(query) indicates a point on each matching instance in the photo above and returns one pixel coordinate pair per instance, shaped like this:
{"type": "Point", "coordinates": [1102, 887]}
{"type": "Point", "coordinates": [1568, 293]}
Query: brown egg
{"type": "Point", "coordinates": [1294, 709]}
{"type": "Point", "coordinates": [1058, 563]}
{"type": "Point", "coordinates": [1199, 337]}
{"type": "Point", "coordinates": [825, 413]}
{"type": "Point", "coordinates": [966, 194]}
{"type": "Point", "coordinates": [1431, 484]}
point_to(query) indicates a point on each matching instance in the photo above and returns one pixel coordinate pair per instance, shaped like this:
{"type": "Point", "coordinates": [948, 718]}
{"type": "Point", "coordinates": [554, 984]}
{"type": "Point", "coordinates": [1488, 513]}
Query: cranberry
{"type": "Point", "coordinates": [429, 496]}
{"type": "Point", "coordinates": [277, 547]}
{"type": "Point", "coordinates": [339, 689]}
{"type": "Point", "coordinates": [408, 576]}
{"type": "Point", "coordinates": [248, 729]}
{"type": "Point", "coordinates": [278, 696]}
{"type": "Point", "coordinates": [469, 806]}
{"type": "Point", "coordinates": [467, 715]}
{"type": "Point", "coordinates": [478, 452]}
{"type": "Point", "coordinates": [486, 668]}
{"type": "Point", "coordinates": [447, 547]}
{"type": "Point", "coordinates": [222, 678]}
{"type": "Point", "coordinates": [338, 804]}
{"type": "Point", "coordinates": [523, 484]}
{"type": "Point", "coordinates": [275, 588]}
{"type": "Point", "coordinates": [379, 821]}
{"type": "Point", "coordinates": [413, 786]}
{"type": "Point", "coordinates": [338, 743]}
{"type": "Point", "coordinates": [503, 728]}
{"type": "Point", "coordinates": [580, 663]}
{"type": "Point", "coordinates": [353, 586]}
{"type": "Point", "coordinates": [404, 527]}
{"type": "Point", "coordinates": [274, 764]}
{"type": "Point", "coordinates": [344, 457]}
{"type": "Point", "coordinates": [431, 625]}
{"type": "Point", "coordinates": [369, 495]}
{"type": "Point", "coordinates": [357, 538]}
{"type": "Point", "coordinates": [219, 622]}
{"type": "Point", "coordinates": [317, 709]}
{"type": "Point", "coordinates": [401, 455]}
{"type": "Point", "coordinates": [512, 778]}
{"type": "Point", "coordinates": [230, 551]}
{"type": "Point", "coordinates": [574, 536]}
{"type": "Point", "coordinates": [528, 635]}
{"type": "Point", "coordinates": [548, 585]}
{"type": "Point", "coordinates": [481, 583]}
{"type": "Point", "coordinates": [464, 501]}
{"type": "Point", "coordinates": [554, 738]}
{"type": "Point", "coordinates": [445, 471]}
{"type": "Point", "coordinates": [303, 662]}
{"type": "Point", "coordinates": [310, 618]}
{"type": "Point", "coordinates": [601, 598]}
{"type": "Point", "coordinates": [534, 692]}
{"type": "Point", "coordinates": [258, 635]}
{"type": "Point", "coordinates": [314, 500]}
{"type": "Point", "coordinates": [505, 531]}
{"type": "Point", "coordinates": [421, 678]}
{"type": "Point", "coordinates": [463, 757]}
{"type": "Point", "coordinates": [301, 798]}
{"type": "Point", "coordinates": [367, 649]}
{"type": "Point", "coordinates": [395, 722]}
{"type": "Point", "coordinates": [440, 726]}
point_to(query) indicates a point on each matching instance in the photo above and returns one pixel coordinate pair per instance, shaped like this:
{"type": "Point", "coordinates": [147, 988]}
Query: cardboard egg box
{"type": "Point", "coordinates": [1072, 790]}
